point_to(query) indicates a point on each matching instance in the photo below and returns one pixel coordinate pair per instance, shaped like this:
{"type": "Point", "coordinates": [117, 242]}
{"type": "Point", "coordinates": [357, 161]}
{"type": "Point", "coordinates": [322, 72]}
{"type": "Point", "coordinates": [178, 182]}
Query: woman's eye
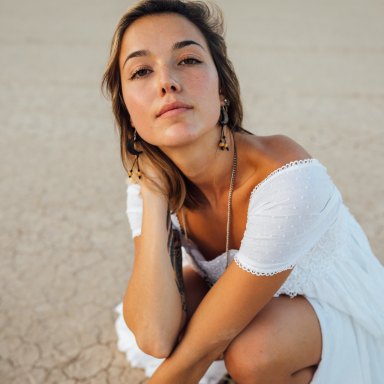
{"type": "Point", "coordinates": [190, 60]}
{"type": "Point", "coordinates": [140, 73]}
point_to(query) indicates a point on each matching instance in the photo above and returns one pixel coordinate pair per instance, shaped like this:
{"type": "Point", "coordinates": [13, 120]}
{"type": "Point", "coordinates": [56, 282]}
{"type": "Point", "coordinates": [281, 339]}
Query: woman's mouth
{"type": "Point", "coordinates": [173, 109]}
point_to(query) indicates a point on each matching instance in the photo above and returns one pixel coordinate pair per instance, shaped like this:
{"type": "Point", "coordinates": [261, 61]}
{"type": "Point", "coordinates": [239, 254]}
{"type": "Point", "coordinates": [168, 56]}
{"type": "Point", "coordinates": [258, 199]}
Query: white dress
{"type": "Point", "coordinates": [297, 220]}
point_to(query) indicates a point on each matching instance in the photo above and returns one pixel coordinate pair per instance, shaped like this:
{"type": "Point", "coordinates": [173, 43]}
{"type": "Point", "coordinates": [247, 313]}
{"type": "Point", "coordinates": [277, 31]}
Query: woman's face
{"type": "Point", "coordinates": [169, 81]}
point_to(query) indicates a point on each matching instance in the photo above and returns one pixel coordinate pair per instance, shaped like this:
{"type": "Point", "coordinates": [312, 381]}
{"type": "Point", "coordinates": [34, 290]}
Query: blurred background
{"type": "Point", "coordinates": [312, 70]}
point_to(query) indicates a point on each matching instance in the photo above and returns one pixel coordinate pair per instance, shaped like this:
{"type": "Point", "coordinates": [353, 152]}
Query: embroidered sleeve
{"type": "Point", "coordinates": [134, 208]}
{"type": "Point", "coordinates": [287, 215]}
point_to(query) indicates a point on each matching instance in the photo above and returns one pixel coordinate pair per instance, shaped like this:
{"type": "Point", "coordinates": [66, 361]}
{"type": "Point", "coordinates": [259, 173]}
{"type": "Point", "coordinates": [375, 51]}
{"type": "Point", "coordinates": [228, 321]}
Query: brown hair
{"type": "Point", "coordinates": [208, 19]}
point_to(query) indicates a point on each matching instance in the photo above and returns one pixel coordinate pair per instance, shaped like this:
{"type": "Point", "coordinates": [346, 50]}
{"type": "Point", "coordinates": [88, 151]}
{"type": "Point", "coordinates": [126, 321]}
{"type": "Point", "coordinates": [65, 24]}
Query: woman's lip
{"type": "Point", "coordinates": [173, 108]}
{"type": "Point", "coordinates": [174, 112]}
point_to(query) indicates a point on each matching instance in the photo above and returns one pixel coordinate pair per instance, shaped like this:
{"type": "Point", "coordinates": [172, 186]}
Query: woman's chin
{"type": "Point", "coordinates": [176, 143]}
{"type": "Point", "coordinates": [181, 135]}
{"type": "Point", "coordinates": [176, 138]}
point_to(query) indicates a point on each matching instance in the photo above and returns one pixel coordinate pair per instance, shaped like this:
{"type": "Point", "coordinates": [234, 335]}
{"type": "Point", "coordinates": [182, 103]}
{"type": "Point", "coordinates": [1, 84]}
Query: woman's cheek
{"type": "Point", "coordinates": [135, 109]}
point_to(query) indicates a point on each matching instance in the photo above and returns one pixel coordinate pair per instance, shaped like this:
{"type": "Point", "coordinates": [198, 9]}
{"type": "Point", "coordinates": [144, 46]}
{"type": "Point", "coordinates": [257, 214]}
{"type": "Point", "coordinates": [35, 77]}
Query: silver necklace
{"type": "Point", "coordinates": [229, 210]}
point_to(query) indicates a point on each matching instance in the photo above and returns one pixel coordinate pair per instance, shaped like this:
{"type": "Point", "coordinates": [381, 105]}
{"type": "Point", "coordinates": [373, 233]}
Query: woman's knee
{"type": "Point", "coordinates": [253, 364]}
{"type": "Point", "coordinates": [272, 347]}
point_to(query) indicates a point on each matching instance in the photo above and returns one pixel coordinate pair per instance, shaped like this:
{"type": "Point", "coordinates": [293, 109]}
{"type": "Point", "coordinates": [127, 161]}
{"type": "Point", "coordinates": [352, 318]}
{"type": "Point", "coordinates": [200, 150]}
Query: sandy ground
{"type": "Point", "coordinates": [310, 70]}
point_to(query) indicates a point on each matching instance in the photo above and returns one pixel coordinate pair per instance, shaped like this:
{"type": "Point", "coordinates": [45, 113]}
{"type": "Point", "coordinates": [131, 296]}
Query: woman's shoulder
{"type": "Point", "coordinates": [278, 150]}
{"type": "Point", "coordinates": [286, 171]}
{"type": "Point", "coordinates": [263, 155]}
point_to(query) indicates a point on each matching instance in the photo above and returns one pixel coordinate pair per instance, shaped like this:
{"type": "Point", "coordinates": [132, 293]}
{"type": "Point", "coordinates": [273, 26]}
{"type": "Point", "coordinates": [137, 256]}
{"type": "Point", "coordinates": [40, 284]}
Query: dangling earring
{"type": "Point", "coordinates": [131, 149]}
{"type": "Point", "coordinates": [223, 122]}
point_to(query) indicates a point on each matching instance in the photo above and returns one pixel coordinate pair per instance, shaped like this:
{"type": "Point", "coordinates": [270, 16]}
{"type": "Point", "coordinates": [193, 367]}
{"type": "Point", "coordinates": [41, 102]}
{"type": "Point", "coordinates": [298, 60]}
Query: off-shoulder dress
{"type": "Point", "coordinates": [297, 220]}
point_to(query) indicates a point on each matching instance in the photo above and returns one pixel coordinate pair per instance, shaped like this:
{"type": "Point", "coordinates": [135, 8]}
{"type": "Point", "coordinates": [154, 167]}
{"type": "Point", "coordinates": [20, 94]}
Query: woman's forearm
{"type": "Point", "coordinates": [175, 372]}
{"type": "Point", "coordinates": [152, 304]}
{"type": "Point", "coordinates": [222, 315]}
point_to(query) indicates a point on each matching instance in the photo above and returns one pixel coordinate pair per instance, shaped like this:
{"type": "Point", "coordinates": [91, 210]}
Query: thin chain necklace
{"type": "Point", "coordinates": [230, 192]}
{"type": "Point", "coordinates": [229, 204]}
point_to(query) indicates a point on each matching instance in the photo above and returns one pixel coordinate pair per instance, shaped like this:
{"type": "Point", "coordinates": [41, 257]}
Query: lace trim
{"type": "Point", "coordinates": [289, 293]}
{"type": "Point", "coordinates": [257, 273]}
{"type": "Point", "coordinates": [289, 165]}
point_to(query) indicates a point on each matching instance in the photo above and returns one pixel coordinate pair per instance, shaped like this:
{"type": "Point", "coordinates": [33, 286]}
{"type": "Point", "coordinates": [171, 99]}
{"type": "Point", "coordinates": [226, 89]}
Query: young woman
{"type": "Point", "coordinates": [281, 282]}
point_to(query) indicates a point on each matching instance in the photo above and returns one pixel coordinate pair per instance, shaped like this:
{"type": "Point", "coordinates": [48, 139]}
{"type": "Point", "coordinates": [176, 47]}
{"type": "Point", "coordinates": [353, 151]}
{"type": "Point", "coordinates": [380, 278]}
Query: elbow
{"type": "Point", "coordinates": [153, 348]}
{"type": "Point", "coordinates": [150, 341]}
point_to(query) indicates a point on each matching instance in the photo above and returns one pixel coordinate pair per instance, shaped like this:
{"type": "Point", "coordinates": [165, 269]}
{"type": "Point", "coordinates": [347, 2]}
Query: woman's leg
{"type": "Point", "coordinates": [281, 345]}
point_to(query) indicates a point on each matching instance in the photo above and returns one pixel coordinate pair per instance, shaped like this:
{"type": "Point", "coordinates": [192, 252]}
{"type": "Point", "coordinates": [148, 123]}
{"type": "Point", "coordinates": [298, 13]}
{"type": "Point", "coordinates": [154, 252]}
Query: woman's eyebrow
{"type": "Point", "coordinates": [185, 43]}
{"type": "Point", "coordinates": [176, 46]}
{"type": "Point", "coordinates": [142, 52]}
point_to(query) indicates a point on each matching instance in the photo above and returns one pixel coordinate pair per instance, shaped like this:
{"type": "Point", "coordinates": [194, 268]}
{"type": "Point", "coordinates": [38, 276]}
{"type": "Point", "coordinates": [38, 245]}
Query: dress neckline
{"type": "Point", "coordinates": [288, 166]}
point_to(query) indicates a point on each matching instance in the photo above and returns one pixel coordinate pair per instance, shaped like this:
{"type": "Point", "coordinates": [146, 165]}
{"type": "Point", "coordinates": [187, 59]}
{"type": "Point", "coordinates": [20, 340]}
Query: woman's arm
{"type": "Point", "coordinates": [152, 304]}
{"type": "Point", "coordinates": [286, 217]}
{"type": "Point", "coordinates": [225, 311]}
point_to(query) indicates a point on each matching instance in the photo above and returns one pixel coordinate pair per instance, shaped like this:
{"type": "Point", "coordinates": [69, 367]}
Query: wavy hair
{"type": "Point", "coordinates": [207, 17]}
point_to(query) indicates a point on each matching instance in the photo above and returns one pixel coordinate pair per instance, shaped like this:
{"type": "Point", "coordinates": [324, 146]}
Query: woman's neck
{"type": "Point", "coordinates": [205, 164]}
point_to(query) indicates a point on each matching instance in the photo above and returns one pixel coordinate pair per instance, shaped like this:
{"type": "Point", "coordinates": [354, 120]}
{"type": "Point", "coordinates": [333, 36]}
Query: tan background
{"type": "Point", "coordinates": [312, 70]}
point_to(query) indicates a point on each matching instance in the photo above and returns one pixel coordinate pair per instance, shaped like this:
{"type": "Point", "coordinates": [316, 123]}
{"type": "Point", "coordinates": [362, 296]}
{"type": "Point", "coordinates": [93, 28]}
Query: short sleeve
{"type": "Point", "coordinates": [134, 208]}
{"type": "Point", "coordinates": [287, 215]}
{"type": "Point", "coordinates": [135, 216]}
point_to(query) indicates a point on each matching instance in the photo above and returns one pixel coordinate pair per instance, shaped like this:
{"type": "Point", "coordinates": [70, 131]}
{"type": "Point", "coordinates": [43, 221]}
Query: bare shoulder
{"type": "Point", "coordinates": [277, 150]}
{"type": "Point", "coordinates": [265, 154]}
{"type": "Point", "coordinates": [281, 149]}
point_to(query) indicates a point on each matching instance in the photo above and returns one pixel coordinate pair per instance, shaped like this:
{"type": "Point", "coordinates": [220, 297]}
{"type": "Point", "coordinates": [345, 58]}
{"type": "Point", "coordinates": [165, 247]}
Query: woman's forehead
{"type": "Point", "coordinates": [160, 31]}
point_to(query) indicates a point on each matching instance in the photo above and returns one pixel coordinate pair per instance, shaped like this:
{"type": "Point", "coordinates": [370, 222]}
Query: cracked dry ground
{"type": "Point", "coordinates": [64, 238]}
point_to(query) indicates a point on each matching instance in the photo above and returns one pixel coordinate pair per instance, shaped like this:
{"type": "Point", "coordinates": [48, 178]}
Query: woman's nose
{"type": "Point", "coordinates": [168, 83]}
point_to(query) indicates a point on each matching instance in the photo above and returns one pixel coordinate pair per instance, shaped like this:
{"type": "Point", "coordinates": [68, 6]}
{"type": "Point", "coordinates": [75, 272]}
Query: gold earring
{"type": "Point", "coordinates": [133, 151]}
{"type": "Point", "coordinates": [223, 122]}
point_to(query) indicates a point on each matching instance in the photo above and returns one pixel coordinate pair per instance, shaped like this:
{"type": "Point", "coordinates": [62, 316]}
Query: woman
{"type": "Point", "coordinates": [281, 282]}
